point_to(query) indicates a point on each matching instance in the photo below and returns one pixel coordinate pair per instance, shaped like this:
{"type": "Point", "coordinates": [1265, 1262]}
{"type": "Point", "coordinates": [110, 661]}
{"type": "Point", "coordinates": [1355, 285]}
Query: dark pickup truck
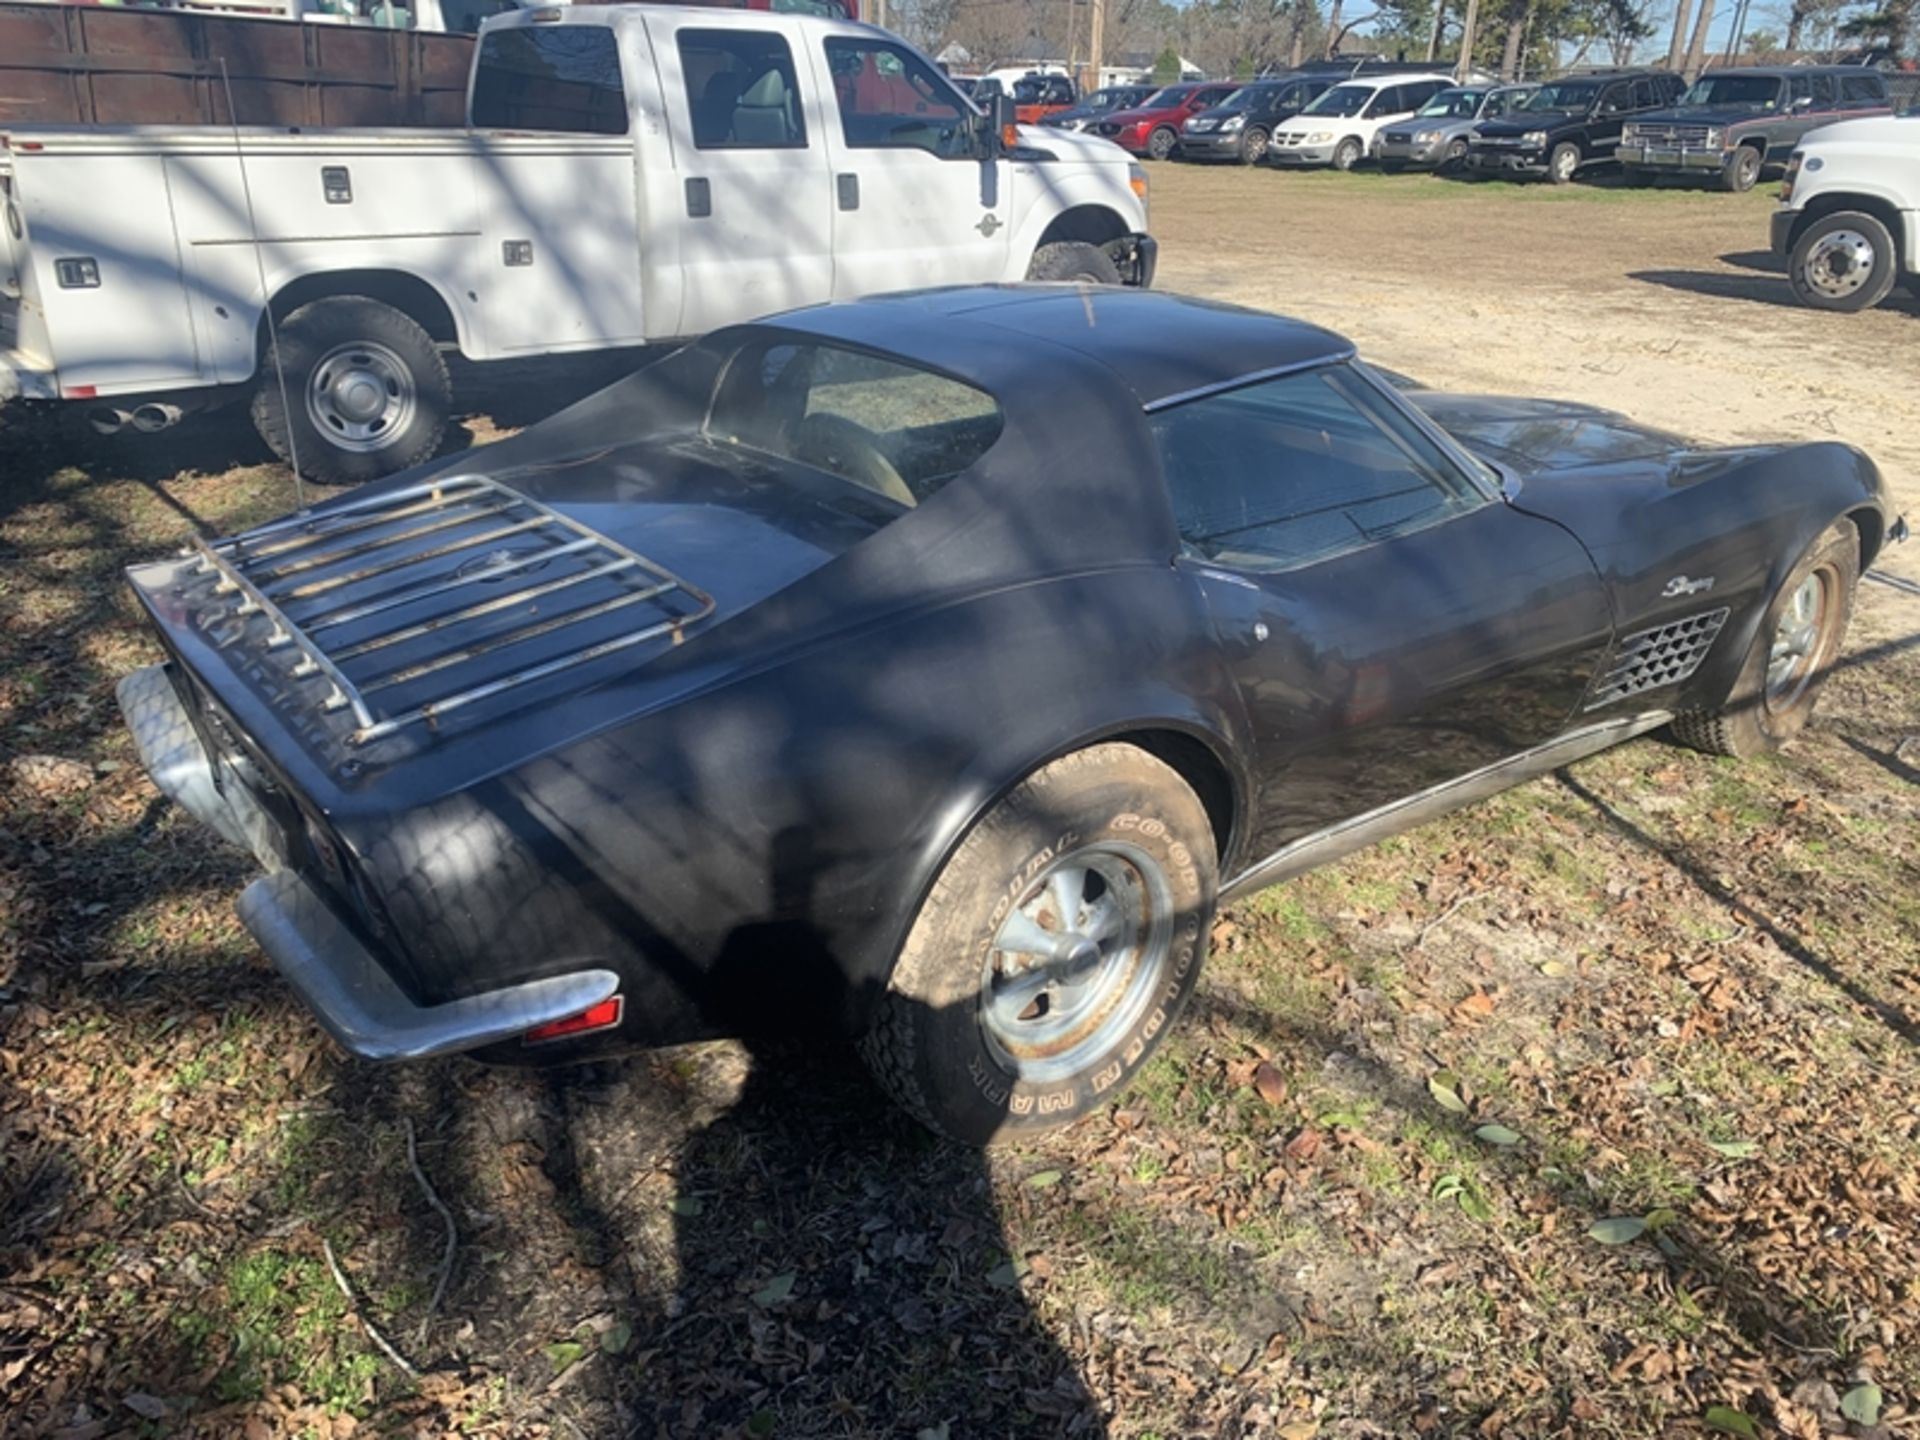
{"type": "Point", "coordinates": [1732, 123]}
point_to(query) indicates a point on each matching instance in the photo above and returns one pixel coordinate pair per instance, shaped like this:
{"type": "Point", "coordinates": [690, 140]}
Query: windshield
{"type": "Point", "coordinates": [1171, 95]}
{"type": "Point", "coordinates": [1109, 99]}
{"type": "Point", "coordinates": [1341, 100]}
{"type": "Point", "coordinates": [1027, 92]}
{"type": "Point", "coordinates": [1452, 104]}
{"type": "Point", "coordinates": [1562, 95]}
{"type": "Point", "coordinates": [1763, 90]}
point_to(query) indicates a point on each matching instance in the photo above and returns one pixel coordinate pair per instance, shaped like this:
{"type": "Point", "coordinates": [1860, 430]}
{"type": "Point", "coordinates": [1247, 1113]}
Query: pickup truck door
{"type": "Point", "coordinates": [754, 212]}
{"type": "Point", "coordinates": [914, 204]}
{"type": "Point", "coordinates": [1390, 623]}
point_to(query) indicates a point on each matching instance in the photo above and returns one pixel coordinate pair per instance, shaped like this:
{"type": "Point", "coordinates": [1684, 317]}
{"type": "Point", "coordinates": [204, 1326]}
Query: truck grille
{"type": "Point", "coordinates": [424, 600]}
{"type": "Point", "coordinates": [1651, 659]}
{"type": "Point", "coordinates": [1689, 135]}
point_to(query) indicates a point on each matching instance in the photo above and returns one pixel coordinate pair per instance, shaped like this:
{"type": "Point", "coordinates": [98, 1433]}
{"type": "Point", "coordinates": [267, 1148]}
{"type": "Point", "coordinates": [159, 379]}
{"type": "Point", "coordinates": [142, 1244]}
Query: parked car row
{"type": "Point", "coordinates": [1728, 127]}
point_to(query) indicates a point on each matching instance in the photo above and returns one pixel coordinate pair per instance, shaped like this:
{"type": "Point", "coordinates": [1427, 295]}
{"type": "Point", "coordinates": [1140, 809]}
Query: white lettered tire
{"type": "Point", "coordinates": [982, 1041]}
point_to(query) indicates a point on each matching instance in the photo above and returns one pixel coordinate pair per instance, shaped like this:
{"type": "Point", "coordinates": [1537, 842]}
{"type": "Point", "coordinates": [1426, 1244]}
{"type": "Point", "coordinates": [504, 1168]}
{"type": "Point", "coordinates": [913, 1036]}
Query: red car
{"type": "Point", "coordinates": [1153, 127]}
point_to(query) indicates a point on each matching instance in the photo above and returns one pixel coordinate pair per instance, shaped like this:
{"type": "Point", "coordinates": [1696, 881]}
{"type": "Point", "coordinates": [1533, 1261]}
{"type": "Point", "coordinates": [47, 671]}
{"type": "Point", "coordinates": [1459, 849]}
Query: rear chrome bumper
{"type": "Point", "coordinates": [359, 1004]}
{"type": "Point", "coordinates": [341, 980]}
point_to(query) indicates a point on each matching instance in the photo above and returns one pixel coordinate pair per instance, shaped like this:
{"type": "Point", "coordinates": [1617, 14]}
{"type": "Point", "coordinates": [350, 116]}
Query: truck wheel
{"type": "Point", "coordinates": [1160, 143]}
{"type": "Point", "coordinates": [1073, 260]}
{"type": "Point", "coordinates": [366, 391]}
{"type": "Point", "coordinates": [1053, 952]}
{"type": "Point", "coordinates": [1347, 154]}
{"type": "Point", "coordinates": [1564, 160]}
{"type": "Point", "coordinates": [1798, 640]}
{"type": "Point", "coordinates": [1741, 171]}
{"type": "Point", "coordinates": [1253, 146]}
{"type": "Point", "coordinates": [1842, 261]}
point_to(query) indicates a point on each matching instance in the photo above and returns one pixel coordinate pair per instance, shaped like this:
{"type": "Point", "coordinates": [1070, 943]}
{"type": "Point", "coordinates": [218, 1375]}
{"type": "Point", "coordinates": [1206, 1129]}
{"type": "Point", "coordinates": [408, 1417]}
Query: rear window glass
{"type": "Point", "coordinates": [562, 77]}
{"type": "Point", "coordinates": [891, 430]}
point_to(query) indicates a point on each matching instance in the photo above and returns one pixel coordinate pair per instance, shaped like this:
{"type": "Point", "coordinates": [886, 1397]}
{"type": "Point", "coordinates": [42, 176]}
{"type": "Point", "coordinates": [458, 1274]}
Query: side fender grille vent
{"type": "Point", "coordinates": [1656, 658]}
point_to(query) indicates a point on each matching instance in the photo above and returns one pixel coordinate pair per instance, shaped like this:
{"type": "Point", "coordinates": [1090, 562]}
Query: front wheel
{"type": "Point", "coordinates": [1842, 261]}
{"type": "Point", "coordinates": [1798, 640]}
{"type": "Point", "coordinates": [1073, 260]}
{"type": "Point", "coordinates": [1347, 154]}
{"type": "Point", "coordinates": [1742, 171]}
{"type": "Point", "coordinates": [1253, 146]}
{"type": "Point", "coordinates": [1053, 951]}
{"type": "Point", "coordinates": [1562, 162]}
{"type": "Point", "coordinates": [355, 390]}
{"type": "Point", "coordinates": [1456, 156]}
{"type": "Point", "coordinates": [1160, 143]}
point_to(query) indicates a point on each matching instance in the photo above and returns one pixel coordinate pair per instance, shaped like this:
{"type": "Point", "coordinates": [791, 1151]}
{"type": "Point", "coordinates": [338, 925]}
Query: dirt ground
{"type": "Point", "coordinates": [1593, 1111]}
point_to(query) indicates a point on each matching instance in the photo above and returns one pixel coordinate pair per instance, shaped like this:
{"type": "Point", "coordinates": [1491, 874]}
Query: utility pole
{"type": "Point", "coordinates": [1677, 50]}
{"type": "Point", "coordinates": [1467, 24]}
{"type": "Point", "coordinates": [1433, 36]}
{"type": "Point", "coordinates": [1096, 40]}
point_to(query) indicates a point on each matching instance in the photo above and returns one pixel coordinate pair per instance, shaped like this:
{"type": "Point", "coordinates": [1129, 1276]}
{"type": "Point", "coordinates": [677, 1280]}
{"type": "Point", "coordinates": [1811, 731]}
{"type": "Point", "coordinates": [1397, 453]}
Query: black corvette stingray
{"type": "Point", "coordinates": [926, 669]}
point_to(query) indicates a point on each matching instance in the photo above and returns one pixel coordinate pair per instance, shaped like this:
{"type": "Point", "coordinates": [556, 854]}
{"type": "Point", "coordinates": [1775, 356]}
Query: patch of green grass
{"type": "Point", "coordinates": [287, 1322]}
{"type": "Point", "coordinates": [1287, 906]}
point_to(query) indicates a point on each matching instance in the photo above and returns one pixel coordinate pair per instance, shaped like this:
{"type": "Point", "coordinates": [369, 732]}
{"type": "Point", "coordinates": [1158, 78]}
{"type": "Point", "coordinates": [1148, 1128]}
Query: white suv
{"type": "Point", "coordinates": [1338, 128]}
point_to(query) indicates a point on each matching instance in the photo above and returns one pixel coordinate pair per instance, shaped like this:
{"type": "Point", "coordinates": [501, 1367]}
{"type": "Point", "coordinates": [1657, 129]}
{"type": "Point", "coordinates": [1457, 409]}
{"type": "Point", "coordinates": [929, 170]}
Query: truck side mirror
{"type": "Point", "coordinates": [997, 125]}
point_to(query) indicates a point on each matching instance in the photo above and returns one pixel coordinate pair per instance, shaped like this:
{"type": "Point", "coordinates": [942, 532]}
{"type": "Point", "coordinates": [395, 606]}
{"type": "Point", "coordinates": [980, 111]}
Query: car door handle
{"type": "Point", "coordinates": [848, 187]}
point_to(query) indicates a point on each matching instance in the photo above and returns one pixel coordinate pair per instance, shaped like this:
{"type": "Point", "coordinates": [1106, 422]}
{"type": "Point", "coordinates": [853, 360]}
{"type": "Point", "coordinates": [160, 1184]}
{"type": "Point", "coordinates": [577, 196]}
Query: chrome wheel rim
{"type": "Point", "coordinates": [1256, 145]}
{"type": "Point", "coordinates": [1076, 961]}
{"type": "Point", "coordinates": [1796, 642]}
{"type": "Point", "coordinates": [1839, 263]}
{"type": "Point", "coordinates": [361, 396]}
{"type": "Point", "coordinates": [1563, 165]}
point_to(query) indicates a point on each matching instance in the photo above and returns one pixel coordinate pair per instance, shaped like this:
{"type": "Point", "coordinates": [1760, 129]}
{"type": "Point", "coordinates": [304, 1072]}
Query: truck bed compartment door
{"type": "Point", "coordinates": [753, 213]}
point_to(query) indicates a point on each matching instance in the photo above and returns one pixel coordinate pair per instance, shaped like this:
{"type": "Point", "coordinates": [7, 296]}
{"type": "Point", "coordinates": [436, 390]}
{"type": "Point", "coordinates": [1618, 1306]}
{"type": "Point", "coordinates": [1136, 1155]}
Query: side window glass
{"type": "Point", "coordinates": [1821, 87]}
{"type": "Point", "coordinates": [1614, 99]}
{"type": "Point", "coordinates": [564, 78]}
{"type": "Point", "coordinates": [890, 99]}
{"type": "Point", "coordinates": [741, 90]}
{"type": "Point", "coordinates": [1294, 470]}
{"type": "Point", "coordinates": [1384, 102]}
{"type": "Point", "coordinates": [1644, 97]}
{"type": "Point", "coordinates": [1861, 89]}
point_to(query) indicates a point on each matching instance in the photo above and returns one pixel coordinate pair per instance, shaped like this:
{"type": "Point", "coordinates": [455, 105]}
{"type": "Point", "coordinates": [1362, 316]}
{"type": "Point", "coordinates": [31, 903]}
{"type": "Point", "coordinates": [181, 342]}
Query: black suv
{"type": "Point", "coordinates": [1569, 123]}
{"type": "Point", "coordinates": [1733, 122]}
{"type": "Point", "coordinates": [1237, 128]}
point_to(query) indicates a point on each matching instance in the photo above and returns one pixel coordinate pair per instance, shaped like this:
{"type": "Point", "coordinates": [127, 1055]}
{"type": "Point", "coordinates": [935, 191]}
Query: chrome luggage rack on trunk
{"type": "Point", "coordinates": [414, 557]}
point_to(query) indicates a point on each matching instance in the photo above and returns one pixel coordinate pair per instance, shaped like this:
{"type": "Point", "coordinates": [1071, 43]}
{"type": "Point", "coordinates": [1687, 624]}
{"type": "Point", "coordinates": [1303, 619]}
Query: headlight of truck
{"type": "Point", "coordinates": [1319, 137]}
{"type": "Point", "coordinates": [1716, 138]}
{"type": "Point", "coordinates": [1232, 123]}
{"type": "Point", "coordinates": [1629, 134]}
{"type": "Point", "coordinates": [1534, 138]}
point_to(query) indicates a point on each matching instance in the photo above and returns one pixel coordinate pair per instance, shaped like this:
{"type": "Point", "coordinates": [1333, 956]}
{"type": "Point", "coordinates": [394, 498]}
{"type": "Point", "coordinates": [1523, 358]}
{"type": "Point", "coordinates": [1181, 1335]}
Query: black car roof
{"type": "Point", "coordinates": [1160, 346]}
{"type": "Point", "coordinates": [1781, 72]}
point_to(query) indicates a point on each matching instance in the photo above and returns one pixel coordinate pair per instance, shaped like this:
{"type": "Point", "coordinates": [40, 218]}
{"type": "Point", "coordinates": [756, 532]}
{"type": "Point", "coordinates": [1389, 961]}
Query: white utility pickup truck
{"type": "Point", "coordinates": [631, 174]}
{"type": "Point", "coordinates": [1848, 224]}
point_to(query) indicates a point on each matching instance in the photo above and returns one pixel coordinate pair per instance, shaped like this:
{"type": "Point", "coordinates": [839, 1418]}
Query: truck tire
{"type": "Point", "coordinates": [1106, 857]}
{"type": "Point", "coordinates": [1842, 261]}
{"type": "Point", "coordinates": [366, 391]}
{"type": "Point", "coordinates": [1073, 260]}
{"type": "Point", "coordinates": [1161, 143]}
{"type": "Point", "coordinates": [1798, 640]}
{"type": "Point", "coordinates": [1563, 162]}
{"type": "Point", "coordinates": [1741, 172]}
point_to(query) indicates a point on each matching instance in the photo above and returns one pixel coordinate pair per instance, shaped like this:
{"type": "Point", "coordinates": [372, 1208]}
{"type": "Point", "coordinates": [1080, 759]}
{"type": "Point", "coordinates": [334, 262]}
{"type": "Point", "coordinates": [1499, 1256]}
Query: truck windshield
{"type": "Point", "coordinates": [559, 77]}
{"type": "Point", "coordinates": [881, 426]}
{"type": "Point", "coordinates": [1451, 104]}
{"type": "Point", "coordinates": [1562, 96]}
{"type": "Point", "coordinates": [1760, 90]}
{"type": "Point", "coordinates": [1341, 100]}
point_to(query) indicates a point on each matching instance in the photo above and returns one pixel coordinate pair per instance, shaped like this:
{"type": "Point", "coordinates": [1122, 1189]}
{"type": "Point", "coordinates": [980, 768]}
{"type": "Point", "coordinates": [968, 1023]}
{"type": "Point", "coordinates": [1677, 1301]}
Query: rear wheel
{"type": "Point", "coordinates": [1347, 154]}
{"type": "Point", "coordinates": [1253, 146]}
{"type": "Point", "coordinates": [365, 391]}
{"type": "Point", "coordinates": [1160, 143]}
{"type": "Point", "coordinates": [1798, 640]}
{"type": "Point", "coordinates": [1842, 261]}
{"type": "Point", "coordinates": [1053, 952]}
{"type": "Point", "coordinates": [1742, 170]}
{"type": "Point", "coordinates": [1073, 260]}
{"type": "Point", "coordinates": [1562, 162]}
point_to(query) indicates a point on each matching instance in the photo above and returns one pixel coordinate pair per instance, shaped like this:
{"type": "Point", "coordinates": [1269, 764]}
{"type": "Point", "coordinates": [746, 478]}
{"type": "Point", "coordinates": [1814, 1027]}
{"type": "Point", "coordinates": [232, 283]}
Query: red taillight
{"type": "Point", "coordinates": [79, 392]}
{"type": "Point", "coordinates": [603, 1016]}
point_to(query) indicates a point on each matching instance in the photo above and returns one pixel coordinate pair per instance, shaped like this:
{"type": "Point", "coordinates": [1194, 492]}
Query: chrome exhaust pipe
{"type": "Point", "coordinates": [109, 419]}
{"type": "Point", "coordinates": [153, 417]}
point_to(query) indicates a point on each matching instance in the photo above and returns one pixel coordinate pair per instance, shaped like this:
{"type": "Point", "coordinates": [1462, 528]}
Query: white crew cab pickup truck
{"type": "Point", "coordinates": [1848, 223]}
{"type": "Point", "coordinates": [630, 174]}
